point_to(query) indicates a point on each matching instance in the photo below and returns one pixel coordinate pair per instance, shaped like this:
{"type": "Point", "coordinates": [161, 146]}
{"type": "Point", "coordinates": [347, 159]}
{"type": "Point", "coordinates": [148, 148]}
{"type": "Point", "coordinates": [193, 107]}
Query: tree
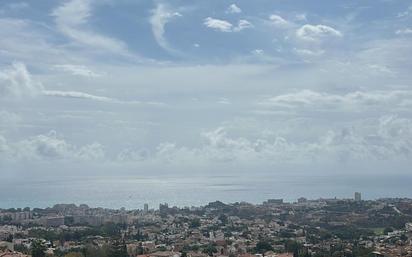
{"type": "Point", "coordinates": [292, 246]}
{"type": "Point", "coordinates": [387, 230]}
{"type": "Point", "coordinates": [9, 238]}
{"type": "Point", "coordinates": [404, 237]}
{"type": "Point", "coordinates": [223, 218]}
{"type": "Point", "coordinates": [210, 250]}
{"type": "Point", "coordinates": [95, 251]}
{"type": "Point", "coordinates": [38, 249]}
{"type": "Point", "coordinates": [263, 246]}
{"type": "Point", "coordinates": [195, 223]}
{"type": "Point", "coordinates": [118, 249]}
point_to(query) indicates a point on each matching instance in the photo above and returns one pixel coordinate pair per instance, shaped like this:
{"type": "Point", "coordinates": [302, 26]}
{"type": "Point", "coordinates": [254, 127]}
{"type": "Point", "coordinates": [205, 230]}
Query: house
{"type": "Point", "coordinates": [9, 253]}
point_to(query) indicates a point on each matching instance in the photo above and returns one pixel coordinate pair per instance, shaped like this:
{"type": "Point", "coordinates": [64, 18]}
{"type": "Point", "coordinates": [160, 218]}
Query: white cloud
{"type": "Point", "coordinates": [71, 19]}
{"type": "Point", "coordinates": [316, 32]}
{"type": "Point", "coordinates": [243, 24]}
{"type": "Point", "coordinates": [233, 8]}
{"type": "Point", "coordinates": [301, 17]}
{"type": "Point", "coordinates": [4, 147]}
{"type": "Point", "coordinates": [405, 13]}
{"type": "Point", "coordinates": [224, 100]}
{"type": "Point", "coordinates": [355, 101]}
{"type": "Point", "coordinates": [17, 6]}
{"type": "Point", "coordinates": [309, 52]}
{"type": "Point", "coordinates": [160, 17]}
{"type": "Point", "coordinates": [80, 95]}
{"type": "Point", "coordinates": [78, 70]}
{"type": "Point", "coordinates": [9, 119]}
{"type": "Point", "coordinates": [406, 31]}
{"type": "Point", "coordinates": [258, 51]}
{"type": "Point", "coordinates": [278, 21]}
{"type": "Point", "coordinates": [219, 25]}
{"type": "Point", "coordinates": [225, 26]}
{"type": "Point", "coordinates": [17, 82]}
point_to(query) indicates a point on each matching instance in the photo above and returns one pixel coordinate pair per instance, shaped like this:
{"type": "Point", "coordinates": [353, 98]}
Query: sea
{"type": "Point", "coordinates": [133, 191]}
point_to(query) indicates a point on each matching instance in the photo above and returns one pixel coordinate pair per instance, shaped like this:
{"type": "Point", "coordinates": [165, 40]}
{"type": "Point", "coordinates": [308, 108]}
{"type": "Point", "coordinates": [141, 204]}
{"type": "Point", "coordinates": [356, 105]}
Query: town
{"type": "Point", "coordinates": [274, 228]}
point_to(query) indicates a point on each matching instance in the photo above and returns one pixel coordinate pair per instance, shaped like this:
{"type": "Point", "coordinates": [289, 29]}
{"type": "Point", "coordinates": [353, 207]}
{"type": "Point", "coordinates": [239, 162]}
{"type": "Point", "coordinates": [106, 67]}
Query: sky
{"type": "Point", "coordinates": [113, 87]}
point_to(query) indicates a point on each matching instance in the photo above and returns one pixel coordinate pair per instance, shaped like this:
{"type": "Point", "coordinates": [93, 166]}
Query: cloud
{"type": "Point", "coordinates": [301, 17]}
{"type": "Point", "coordinates": [9, 119]}
{"type": "Point", "coordinates": [225, 26]}
{"type": "Point", "coordinates": [219, 25]}
{"type": "Point", "coordinates": [160, 17]}
{"type": "Point", "coordinates": [17, 82]}
{"type": "Point", "coordinates": [403, 31]}
{"type": "Point", "coordinates": [384, 138]}
{"type": "Point", "coordinates": [357, 101]}
{"type": "Point", "coordinates": [243, 24]}
{"type": "Point", "coordinates": [4, 148]}
{"type": "Point", "coordinates": [86, 96]}
{"type": "Point", "coordinates": [71, 18]}
{"type": "Point", "coordinates": [316, 32]}
{"type": "Point", "coordinates": [257, 51]}
{"type": "Point", "coordinates": [309, 52]}
{"type": "Point", "coordinates": [224, 100]}
{"type": "Point", "coordinates": [78, 70]}
{"type": "Point", "coordinates": [406, 13]}
{"type": "Point", "coordinates": [79, 95]}
{"type": "Point", "coordinates": [17, 6]}
{"type": "Point", "coordinates": [50, 147]}
{"type": "Point", "coordinates": [233, 8]}
{"type": "Point", "coordinates": [278, 21]}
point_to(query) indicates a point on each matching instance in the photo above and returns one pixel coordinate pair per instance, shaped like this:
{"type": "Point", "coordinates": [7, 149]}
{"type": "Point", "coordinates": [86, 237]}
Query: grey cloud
{"type": "Point", "coordinates": [383, 138]}
{"type": "Point", "coordinates": [387, 138]}
{"type": "Point", "coordinates": [49, 147]}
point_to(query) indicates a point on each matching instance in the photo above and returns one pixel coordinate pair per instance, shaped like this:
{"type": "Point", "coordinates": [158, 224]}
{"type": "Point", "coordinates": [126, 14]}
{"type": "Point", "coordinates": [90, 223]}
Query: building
{"type": "Point", "coordinates": [302, 200]}
{"type": "Point", "coordinates": [358, 197]}
{"type": "Point", "coordinates": [146, 208]}
{"type": "Point", "coordinates": [163, 208]}
{"type": "Point", "coordinates": [275, 201]}
{"type": "Point", "coordinates": [52, 221]}
{"type": "Point", "coordinates": [88, 220]}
